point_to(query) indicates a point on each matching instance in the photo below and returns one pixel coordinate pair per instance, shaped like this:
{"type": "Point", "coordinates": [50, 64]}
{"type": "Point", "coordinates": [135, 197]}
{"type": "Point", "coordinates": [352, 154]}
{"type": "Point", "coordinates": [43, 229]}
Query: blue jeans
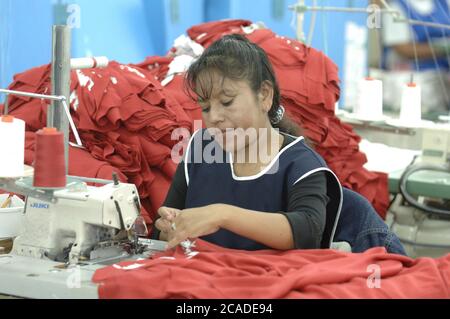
{"type": "Point", "coordinates": [361, 226]}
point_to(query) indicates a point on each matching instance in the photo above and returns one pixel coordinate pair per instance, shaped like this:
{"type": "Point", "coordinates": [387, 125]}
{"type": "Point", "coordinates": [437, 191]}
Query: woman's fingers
{"type": "Point", "coordinates": [168, 213]}
{"type": "Point", "coordinates": [177, 239]}
{"type": "Point", "coordinates": [163, 225]}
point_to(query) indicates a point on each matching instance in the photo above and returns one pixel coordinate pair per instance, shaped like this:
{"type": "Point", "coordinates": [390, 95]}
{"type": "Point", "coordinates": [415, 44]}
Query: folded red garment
{"type": "Point", "coordinates": [155, 153]}
{"type": "Point", "coordinates": [176, 89]}
{"type": "Point", "coordinates": [221, 273]}
{"type": "Point", "coordinates": [206, 33]}
{"type": "Point", "coordinates": [284, 52]}
{"type": "Point", "coordinates": [156, 66]}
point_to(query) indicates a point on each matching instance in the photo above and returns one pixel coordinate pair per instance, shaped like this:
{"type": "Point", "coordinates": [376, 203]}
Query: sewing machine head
{"type": "Point", "coordinates": [436, 145]}
{"type": "Point", "coordinates": [79, 223]}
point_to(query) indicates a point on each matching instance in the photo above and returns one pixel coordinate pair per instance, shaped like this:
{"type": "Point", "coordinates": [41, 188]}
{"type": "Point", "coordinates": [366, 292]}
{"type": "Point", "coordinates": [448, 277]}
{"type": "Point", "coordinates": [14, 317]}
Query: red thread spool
{"type": "Point", "coordinates": [7, 118]}
{"type": "Point", "coordinates": [49, 162]}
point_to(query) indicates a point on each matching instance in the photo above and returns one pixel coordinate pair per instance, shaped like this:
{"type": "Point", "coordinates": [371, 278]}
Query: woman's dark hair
{"type": "Point", "coordinates": [236, 58]}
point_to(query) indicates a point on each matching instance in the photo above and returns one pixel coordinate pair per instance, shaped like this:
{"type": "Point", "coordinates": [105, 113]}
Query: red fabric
{"type": "Point", "coordinates": [206, 33]}
{"type": "Point", "coordinates": [156, 66]}
{"type": "Point", "coordinates": [224, 273]}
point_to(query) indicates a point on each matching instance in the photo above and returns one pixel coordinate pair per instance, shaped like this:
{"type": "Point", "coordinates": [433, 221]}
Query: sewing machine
{"type": "Point", "coordinates": [423, 234]}
{"type": "Point", "coordinates": [70, 233]}
{"type": "Point", "coordinates": [422, 231]}
{"type": "Point", "coordinates": [436, 145]}
{"type": "Point", "coordinates": [70, 226]}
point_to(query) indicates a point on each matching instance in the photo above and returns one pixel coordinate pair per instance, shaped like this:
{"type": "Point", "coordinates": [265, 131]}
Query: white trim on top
{"type": "Point", "coordinates": [187, 157]}
{"type": "Point", "coordinates": [267, 168]}
{"type": "Point", "coordinates": [341, 196]}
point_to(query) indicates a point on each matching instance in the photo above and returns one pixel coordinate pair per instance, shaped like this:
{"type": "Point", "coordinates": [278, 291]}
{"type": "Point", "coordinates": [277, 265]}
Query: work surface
{"type": "Point", "coordinates": [35, 278]}
{"type": "Point", "coordinates": [27, 277]}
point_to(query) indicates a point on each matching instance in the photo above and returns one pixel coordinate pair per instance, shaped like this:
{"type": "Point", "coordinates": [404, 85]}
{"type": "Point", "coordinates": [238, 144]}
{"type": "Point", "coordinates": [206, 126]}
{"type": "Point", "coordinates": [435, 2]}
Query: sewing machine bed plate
{"type": "Point", "coordinates": [36, 278]}
{"type": "Point", "coordinates": [425, 183]}
{"type": "Point", "coordinates": [27, 277]}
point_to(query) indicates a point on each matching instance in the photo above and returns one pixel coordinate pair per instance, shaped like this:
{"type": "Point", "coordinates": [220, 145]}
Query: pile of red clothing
{"type": "Point", "coordinates": [125, 120]}
{"type": "Point", "coordinates": [220, 273]}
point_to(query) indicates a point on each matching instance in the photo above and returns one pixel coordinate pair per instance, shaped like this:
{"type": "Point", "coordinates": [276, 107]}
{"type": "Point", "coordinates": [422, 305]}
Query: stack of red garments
{"type": "Point", "coordinates": [157, 68]}
{"type": "Point", "coordinates": [309, 85]}
{"type": "Point", "coordinates": [125, 119]}
{"type": "Point", "coordinates": [221, 273]}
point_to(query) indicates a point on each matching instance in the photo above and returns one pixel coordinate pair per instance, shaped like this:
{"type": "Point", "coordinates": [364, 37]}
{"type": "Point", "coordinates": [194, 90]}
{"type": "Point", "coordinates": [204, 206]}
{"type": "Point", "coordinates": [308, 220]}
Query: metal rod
{"type": "Point", "coordinates": [62, 99]}
{"type": "Point", "coordinates": [300, 22]}
{"type": "Point", "coordinates": [91, 180]}
{"type": "Point", "coordinates": [386, 5]}
{"type": "Point", "coordinates": [302, 8]}
{"type": "Point", "coordinates": [425, 24]}
{"type": "Point", "coordinates": [395, 13]}
{"type": "Point", "coordinates": [6, 105]}
{"type": "Point", "coordinates": [71, 196]}
{"type": "Point", "coordinates": [33, 95]}
{"type": "Point", "coordinates": [61, 39]}
{"type": "Point", "coordinates": [20, 187]}
{"type": "Point", "coordinates": [72, 124]}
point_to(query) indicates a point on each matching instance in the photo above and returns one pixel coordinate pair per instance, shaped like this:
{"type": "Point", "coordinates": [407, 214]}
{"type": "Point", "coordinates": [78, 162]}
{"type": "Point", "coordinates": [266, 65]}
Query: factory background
{"type": "Point", "coordinates": [128, 31]}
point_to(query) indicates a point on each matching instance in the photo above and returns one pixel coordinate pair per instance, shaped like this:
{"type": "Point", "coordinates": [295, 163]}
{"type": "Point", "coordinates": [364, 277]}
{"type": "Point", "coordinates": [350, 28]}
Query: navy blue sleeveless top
{"type": "Point", "coordinates": [211, 180]}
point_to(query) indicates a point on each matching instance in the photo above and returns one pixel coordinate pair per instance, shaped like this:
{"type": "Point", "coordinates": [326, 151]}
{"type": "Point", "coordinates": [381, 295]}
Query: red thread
{"type": "Point", "coordinates": [7, 118]}
{"type": "Point", "coordinates": [49, 163]}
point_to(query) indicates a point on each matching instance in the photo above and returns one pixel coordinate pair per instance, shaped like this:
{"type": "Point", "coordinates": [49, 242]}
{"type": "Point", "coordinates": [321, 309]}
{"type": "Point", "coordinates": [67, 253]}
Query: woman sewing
{"type": "Point", "coordinates": [264, 187]}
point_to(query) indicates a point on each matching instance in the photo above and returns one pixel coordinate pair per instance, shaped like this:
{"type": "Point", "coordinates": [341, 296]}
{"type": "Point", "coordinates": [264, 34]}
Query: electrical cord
{"type": "Point", "coordinates": [396, 194]}
{"type": "Point", "coordinates": [410, 199]}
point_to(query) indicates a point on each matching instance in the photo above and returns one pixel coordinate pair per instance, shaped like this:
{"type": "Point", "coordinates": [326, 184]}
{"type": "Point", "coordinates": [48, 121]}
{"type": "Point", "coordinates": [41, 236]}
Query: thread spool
{"type": "Point", "coordinates": [411, 106]}
{"type": "Point", "coordinates": [370, 99]}
{"type": "Point", "coordinates": [49, 163]}
{"type": "Point", "coordinates": [12, 144]}
{"type": "Point", "coordinates": [85, 63]}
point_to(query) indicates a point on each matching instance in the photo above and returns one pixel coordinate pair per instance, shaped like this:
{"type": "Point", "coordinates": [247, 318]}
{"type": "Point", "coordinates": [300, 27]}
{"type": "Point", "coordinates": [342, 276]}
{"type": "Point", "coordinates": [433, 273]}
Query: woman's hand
{"type": "Point", "coordinates": [270, 229]}
{"type": "Point", "coordinates": [196, 222]}
{"type": "Point", "coordinates": [164, 224]}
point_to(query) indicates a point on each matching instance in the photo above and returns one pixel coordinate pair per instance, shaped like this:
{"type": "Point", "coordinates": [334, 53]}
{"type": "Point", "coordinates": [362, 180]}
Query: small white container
{"type": "Point", "coordinates": [12, 217]}
{"type": "Point", "coordinates": [12, 145]}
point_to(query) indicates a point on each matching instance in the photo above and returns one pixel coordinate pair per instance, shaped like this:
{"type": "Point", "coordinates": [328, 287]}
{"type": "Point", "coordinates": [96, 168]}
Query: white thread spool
{"type": "Point", "coordinates": [411, 107]}
{"type": "Point", "coordinates": [85, 63]}
{"type": "Point", "coordinates": [370, 99]}
{"type": "Point", "coordinates": [12, 144]}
